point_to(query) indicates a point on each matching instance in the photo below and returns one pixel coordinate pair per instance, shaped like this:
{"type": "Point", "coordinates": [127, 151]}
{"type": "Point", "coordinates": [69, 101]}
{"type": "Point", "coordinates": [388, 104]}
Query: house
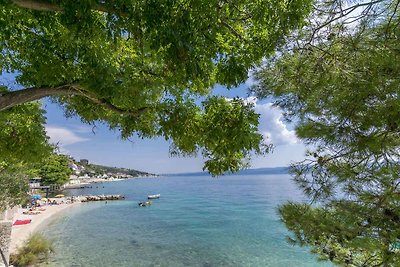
{"type": "Point", "coordinates": [84, 161]}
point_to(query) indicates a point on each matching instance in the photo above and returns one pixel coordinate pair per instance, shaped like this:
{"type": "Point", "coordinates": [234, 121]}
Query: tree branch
{"type": "Point", "coordinates": [232, 30]}
{"type": "Point", "coordinates": [47, 6]}
{"type": "Point", "coordinates": [13, 98]}
{"type": "Point", "coordinates": [104, 103]}
{"type": "Point", "coordinates": [37, 5]}
{"type": "Point", "coordinates": [342, 14]}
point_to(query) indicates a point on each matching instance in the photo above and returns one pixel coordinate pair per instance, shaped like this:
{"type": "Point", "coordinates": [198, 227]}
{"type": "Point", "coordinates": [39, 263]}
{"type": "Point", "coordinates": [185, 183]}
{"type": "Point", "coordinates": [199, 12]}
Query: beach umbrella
{"type": "Point", "coordinates": [60, 195]}
{"type": "Point", "coordinates": [36, 197]}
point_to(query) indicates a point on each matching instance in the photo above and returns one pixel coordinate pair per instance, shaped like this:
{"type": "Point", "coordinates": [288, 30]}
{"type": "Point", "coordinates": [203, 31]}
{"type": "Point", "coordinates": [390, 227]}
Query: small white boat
{"type": "Point", "coordinates": [153, 196]}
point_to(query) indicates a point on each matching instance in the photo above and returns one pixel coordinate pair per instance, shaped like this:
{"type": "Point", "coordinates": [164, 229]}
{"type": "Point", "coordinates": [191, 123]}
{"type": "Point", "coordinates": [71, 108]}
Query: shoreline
{"type": "Point", "coordinates": [87, 182]}
{"type": "Point", "coordinates": [21, 233]}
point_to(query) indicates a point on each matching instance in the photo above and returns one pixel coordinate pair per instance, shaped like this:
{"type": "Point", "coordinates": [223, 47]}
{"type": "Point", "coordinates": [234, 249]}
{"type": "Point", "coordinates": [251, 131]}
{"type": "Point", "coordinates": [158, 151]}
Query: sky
{"type": "Point", "coordinates": [101, 146]}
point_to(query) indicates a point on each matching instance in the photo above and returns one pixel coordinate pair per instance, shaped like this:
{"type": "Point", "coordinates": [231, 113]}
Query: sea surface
{"type": "Point", "coordinates": [198, 221]}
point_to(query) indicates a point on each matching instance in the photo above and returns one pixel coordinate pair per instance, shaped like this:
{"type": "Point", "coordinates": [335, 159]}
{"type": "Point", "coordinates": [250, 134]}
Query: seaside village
{"type": "Point", "coordinates": [19, 222]}
{"type": "Point", "coordinates": [83, 176]}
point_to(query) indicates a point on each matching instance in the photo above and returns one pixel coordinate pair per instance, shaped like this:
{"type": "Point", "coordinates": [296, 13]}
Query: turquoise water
{"type": "Point", "coordinates": [198, 221]}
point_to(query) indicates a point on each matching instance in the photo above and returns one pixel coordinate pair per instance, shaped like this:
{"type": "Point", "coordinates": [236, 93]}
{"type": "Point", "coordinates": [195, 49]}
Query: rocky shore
{"type": "Point", "coordinates": [100, 198]}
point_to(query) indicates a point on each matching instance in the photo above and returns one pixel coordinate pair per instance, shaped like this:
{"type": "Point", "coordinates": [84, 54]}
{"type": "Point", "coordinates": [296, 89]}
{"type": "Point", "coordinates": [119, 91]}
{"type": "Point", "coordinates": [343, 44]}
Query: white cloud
{"type": "Point", "coordinates": [251, 79]}
{"type": "Point", "coordinates": [63, 136]}
{"type": "Point", "coordinates": [272, 127]}
{"type": "Point", "coordinates": [83, 129]}
{"type": "Point", "coordinates": [251, 100]}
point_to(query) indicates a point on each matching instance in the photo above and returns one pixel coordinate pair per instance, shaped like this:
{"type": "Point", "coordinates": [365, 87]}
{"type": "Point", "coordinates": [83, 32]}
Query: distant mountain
{"type": "Point", "coordinates": [275, 170]}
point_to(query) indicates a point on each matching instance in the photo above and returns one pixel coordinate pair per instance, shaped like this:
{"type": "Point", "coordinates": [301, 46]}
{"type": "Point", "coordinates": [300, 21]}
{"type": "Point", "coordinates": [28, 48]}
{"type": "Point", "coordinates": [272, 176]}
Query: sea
{"type": "Point", "coordinates": [198, 221]}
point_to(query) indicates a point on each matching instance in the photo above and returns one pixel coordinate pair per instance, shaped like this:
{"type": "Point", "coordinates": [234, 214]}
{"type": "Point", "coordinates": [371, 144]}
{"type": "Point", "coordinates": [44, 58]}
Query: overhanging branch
{"type": "Point", "coordinates": [13, 98]}
{"type": "Point", "coordinates": [37, 5]}
{"type": "Point", "coordinates": [48, 6]}
{"type": "Point", "coordinates": [102, 102]}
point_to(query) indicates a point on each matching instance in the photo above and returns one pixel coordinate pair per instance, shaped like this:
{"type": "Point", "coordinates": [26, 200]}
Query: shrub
{"type": "Point", "coordinates": [36, 250]}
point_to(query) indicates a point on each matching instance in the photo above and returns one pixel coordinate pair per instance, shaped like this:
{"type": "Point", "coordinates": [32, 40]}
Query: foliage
{"type": "Point", "coordinates": [135, 65]}
{"type": "Point", "coordinates": [23, 142]}
{"type": "Point", "coordinates": [22, 135]}
{"type": "Point", "coordinates": [55, 170]}
{"type": "Point", "coordinates": [36, 250]}
{"type": "Point", "coordinates": [13, 187]}
{"type": "Point", "coordinates": [339, 84]}
{"type": "Point", "coordinates": [235, 124]}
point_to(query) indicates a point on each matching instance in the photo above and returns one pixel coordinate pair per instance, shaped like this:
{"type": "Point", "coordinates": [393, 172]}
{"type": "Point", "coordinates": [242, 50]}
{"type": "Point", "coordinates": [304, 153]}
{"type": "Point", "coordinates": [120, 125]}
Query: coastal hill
{"type": "Point", "coordinates": [84, 168]}
{"type": "Point", "coordinates": [98, 169]}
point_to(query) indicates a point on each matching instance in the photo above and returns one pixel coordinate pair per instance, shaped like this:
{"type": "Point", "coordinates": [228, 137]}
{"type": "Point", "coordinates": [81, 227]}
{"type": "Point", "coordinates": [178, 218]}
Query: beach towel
{"type": "Point", "coordinates": [21, 222]}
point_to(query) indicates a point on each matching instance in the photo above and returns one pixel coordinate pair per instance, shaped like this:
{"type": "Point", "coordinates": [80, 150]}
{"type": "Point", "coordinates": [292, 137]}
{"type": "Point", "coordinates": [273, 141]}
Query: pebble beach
{"type": "Point", "coordinates": [21, 233]}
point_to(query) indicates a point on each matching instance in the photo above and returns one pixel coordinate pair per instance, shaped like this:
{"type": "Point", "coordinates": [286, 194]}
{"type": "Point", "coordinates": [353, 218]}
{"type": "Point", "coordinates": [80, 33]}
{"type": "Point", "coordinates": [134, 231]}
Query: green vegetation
{"type": "Point", "coordinates": [23, 143]}
{"type": "Point", "coordinates": [13, 187]}
{"type": "Point", "coordinates": [36, 250]}
{"type": "Point", "coordinates": [339, 84]}
{"type": "Point", "coordinates": [100, 169]}
{"type": "Point", "coordinates": [55, 170]}
{"type": "Point", "coordinates": [23, 138]}
{"type": "Point", "coordinates": [139, 66]}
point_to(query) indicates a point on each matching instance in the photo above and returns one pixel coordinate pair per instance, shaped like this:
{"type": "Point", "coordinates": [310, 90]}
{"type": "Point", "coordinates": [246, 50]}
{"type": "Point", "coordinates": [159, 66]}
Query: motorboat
{"type": "Point", "coordinates": [144, 204]}
{"type": "Point", "coordinates": [153, 196]}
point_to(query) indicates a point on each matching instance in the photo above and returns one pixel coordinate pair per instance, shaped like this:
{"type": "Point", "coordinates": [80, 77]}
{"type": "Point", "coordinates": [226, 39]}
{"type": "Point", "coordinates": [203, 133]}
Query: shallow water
{"type": "Point", "coordinates": [198, 221]}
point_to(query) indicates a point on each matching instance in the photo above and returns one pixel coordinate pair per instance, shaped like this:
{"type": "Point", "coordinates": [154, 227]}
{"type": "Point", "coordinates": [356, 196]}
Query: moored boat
{"type": "Point", "coordinates": [144, 204]}
{"type": "Point", "coordinates": [153, 196]}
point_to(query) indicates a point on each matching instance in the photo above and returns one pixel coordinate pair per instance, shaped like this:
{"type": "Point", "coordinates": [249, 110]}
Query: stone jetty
{"type": "Point", "coordinates": [100, 198]}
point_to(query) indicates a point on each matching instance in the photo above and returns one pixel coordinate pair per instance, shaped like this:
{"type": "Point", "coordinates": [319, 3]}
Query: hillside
{"type": "Point", "coordinates": [83, 167]}
{"type": "Point", "coordinates": [100, 169]}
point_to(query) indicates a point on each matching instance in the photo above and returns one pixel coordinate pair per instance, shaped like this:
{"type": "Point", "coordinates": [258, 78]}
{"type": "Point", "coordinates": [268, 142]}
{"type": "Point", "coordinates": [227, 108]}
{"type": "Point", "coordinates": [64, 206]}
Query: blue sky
{"type": "Point", "coordinates": [102, 146]}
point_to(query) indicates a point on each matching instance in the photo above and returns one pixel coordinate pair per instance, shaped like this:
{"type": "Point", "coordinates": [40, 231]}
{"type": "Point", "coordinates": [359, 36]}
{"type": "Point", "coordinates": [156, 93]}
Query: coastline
{"type": "Point", "coordinates": [87, 182]}
{"type": "Point", "coordinates": [21, 233]}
